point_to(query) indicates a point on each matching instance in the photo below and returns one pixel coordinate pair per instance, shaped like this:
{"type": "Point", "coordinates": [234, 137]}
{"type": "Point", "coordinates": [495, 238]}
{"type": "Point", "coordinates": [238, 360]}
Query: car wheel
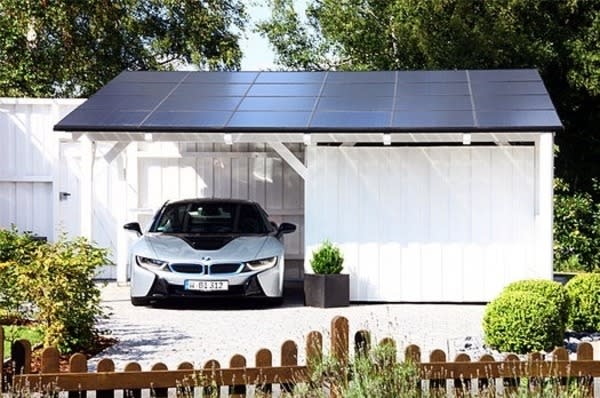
{"type": "Point", "coordinates": [139, 301]}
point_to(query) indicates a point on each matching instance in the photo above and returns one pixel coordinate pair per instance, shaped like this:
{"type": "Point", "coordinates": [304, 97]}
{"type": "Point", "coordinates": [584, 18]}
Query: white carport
{"type": "Point", "coordinates": [437, 185]}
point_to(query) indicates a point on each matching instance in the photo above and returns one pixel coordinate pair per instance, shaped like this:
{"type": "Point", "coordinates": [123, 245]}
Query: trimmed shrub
{"type": "Point", "coordinates": [523, 321]}
{"type": "Point", "coordinates": [584, 293]}
{"type": "Point", "coordinates": [327, 259]}
{"type": "Point", "coordinates": [553, 291]}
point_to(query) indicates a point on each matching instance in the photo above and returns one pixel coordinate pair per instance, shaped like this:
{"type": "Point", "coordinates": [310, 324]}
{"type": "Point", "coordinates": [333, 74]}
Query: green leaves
{"type": "Point", "coordinates": [527, 316]}
{"type": "Point", "coordinates": [52, 283]}
{"type": "Point", "coordinates": [576, 230]}
{"type": "Point", "coordinates": [70, 49]}
{"type": "Point", "coordinates": [327, 259]}
{"type": "Point", "coordinates": [584, 293]}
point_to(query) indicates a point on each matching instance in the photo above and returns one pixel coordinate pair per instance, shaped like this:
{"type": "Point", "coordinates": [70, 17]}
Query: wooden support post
{"type": "Point", "coordinates": [20, 354]}
{"type": "Point", "coordinates": [160, 392]}
{"type": "Point", "coordinates": [105, 365]}
{"type": "Point", "coordinates": [133, 393]}
{"type": "Point", "coordinates": [412, 354]}
{"type": "Point", "coordinates": [483, 383]}
{"type": "Point", "coordinates": [186, 388]}
{"type": "Point", "coordinates": [238, 390]}
{"type": "Point", "coordinates": [511, 384]}
{"type": "Point", "coordinates": [289, 357]}
{"type": "Point", "coordinates": [264, 359]}
{"type": "Point", "coordinates": [214, 366]}
{"type": "Point", "coordinates": [585, 352]}
{"type": "Point", "coordinates": [78, 364]}
{"type": "Point", "coordinates": [462, 386]}
{"type": "Point", "coordinates": [437, 385]}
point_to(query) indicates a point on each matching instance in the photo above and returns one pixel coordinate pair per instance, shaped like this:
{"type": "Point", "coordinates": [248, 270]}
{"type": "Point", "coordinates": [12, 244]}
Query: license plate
{"type": "Point", "coordinates": [207, 286]}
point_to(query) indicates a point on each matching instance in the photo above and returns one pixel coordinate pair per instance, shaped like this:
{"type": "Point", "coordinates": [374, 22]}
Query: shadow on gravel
{"type": "Point", "coordinates": [293, 297]}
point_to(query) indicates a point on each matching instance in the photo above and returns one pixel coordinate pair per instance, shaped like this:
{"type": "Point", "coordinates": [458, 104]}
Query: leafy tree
{"type": "Point", "coordinates": [72, 48]}
{"type": "Point", "coordinates": [560, 38]}
{"type": "Point", "coordinates": [576, 230]}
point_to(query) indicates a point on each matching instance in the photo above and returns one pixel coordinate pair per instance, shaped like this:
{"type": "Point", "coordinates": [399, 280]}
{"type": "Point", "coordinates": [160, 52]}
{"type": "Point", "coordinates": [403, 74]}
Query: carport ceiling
{"type": "Point", "coordinates": [421, 102]}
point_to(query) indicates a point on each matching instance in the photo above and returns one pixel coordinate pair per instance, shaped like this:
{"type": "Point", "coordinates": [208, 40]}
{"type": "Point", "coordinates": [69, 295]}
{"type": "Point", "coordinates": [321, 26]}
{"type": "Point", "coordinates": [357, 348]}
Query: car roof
{"type": "Point", "coordinates": [212, 201]}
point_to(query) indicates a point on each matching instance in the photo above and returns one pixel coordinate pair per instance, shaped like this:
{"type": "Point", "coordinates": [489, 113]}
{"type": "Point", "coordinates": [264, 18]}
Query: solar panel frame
{"type": "Point", "coordinates": [386, 101]}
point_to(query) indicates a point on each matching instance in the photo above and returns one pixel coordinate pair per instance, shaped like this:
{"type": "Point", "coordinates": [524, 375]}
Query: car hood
{"type": "Point", "coordinates": [193, 247]}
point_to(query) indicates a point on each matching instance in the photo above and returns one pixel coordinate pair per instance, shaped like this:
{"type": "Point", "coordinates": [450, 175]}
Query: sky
{"type": "Point", "coordinates": [257, 53]}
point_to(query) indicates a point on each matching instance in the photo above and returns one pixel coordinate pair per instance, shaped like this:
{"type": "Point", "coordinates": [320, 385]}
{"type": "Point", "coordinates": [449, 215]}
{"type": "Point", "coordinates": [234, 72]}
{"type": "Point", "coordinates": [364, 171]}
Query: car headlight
{"type": "Point", "coordinates": [257, 265]}
{"type": "Point", "coordinates": [150, 263]}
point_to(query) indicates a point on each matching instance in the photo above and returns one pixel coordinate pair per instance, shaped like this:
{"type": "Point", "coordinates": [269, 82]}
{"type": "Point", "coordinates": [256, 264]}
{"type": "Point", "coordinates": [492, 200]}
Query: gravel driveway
{"type": "Point", "coordinates": [199, 331]}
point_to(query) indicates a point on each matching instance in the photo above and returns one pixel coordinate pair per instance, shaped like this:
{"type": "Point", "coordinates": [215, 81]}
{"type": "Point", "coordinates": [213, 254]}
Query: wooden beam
{"type": "Point", "coordinates": [290, 158]}
{"type": "Point", "coordinates": [116, 149]}
{"type": "Point", "coordinates": [88, 155]}
{"type": "Point", "coordinates": [544, 175]}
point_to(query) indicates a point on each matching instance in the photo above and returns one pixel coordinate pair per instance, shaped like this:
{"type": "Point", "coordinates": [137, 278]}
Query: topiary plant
{"type": "Point", "coordinates": [526, 317]}
{"type": "Point", "coordinates": [584, 293]}
{"type": "Point", "coordinates": [553, 291]}
{"type": "Point", "coordinates": [327, 259]}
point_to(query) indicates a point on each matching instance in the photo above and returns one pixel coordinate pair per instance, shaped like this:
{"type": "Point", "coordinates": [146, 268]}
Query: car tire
{"type": "Point", "coordinates": [139, 301]}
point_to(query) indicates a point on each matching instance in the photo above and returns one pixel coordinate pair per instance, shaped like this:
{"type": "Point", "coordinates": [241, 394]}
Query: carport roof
{"type": "Point", "coordinates": [512, 100]}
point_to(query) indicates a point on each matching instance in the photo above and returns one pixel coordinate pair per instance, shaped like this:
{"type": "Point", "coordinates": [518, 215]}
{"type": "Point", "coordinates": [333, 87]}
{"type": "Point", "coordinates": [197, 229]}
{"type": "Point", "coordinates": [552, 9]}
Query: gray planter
{"type": "Point", "coordinates": [326, 291]}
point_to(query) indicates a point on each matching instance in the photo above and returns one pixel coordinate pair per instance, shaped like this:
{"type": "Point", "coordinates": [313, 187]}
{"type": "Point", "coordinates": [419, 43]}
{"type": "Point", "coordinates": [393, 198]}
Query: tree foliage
{"type": "Point", "coordinates": [72, 48]}
{"type": "Point", "coordinates": [576, 230]}
{"type": "Point", "coordinates": [559, 38]}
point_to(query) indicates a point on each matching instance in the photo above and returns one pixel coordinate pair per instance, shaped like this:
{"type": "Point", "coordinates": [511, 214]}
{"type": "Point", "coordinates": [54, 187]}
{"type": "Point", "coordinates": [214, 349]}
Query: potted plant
{"type": "Point", "coordinates": [327, 286]}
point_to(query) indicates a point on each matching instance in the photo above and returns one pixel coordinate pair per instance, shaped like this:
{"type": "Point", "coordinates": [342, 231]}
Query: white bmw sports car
{"type": "Point", "coordinates": [207, 247]}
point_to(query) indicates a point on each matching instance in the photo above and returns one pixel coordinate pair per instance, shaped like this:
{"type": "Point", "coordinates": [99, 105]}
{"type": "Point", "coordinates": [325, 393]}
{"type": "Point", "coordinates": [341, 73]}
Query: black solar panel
{"type": "Point", "coordinates": [385, 101]}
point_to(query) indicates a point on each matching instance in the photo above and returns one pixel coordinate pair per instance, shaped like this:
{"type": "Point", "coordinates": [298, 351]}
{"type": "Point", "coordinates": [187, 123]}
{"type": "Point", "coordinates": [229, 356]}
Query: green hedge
{"type": "Point", "coordinates": [584, 293]}
{"type": "Point", "coordinates": [527, 316]}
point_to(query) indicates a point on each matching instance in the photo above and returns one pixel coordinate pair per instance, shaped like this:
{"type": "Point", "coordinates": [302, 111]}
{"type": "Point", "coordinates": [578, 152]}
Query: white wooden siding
{"type": "Point", "coordinates": [426, 223]}
{"type": "Point", "coordinates": [29, 153]}
{"type": "Point", "coordinates": [234, 171]}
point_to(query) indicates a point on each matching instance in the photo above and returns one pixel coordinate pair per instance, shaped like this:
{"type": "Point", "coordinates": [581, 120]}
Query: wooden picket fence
{"type": "Point", "coordinates": [437, 375]}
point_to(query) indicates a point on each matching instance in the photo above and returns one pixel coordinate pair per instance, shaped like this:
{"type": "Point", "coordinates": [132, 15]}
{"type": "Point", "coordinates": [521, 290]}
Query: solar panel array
{"type": "Point", "coordinates": [391, 101]}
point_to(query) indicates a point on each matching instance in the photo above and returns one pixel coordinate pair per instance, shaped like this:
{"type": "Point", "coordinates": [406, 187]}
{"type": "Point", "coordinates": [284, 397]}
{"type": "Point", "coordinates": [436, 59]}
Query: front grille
{"type": "Point", "coordinates": [188, 268]}
{"type": "Point", "coordinates": [224, 268]}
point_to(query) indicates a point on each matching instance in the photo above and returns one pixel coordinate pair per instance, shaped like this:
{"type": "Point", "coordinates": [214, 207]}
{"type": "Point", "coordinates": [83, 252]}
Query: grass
{"type": "Point", "coordinates": [13, 333]}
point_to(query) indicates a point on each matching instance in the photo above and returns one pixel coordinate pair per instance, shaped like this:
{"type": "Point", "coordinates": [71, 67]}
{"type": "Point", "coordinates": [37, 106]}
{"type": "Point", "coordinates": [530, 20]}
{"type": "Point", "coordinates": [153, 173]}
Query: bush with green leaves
{"type": "Point", "coordinates": [59, 282]}
{"type": "Point", "coordinates": [576, 229]}
{"type": "Point", "coordinates": [16, 249]}
{"type": "Point", "coordinates": [526, 317]}
{"type": "Point", "coordinates": [553, 291]}
{"type": "Point", "coordinates": [584, 293]}
{"type": "Point", "coordinates": [327, 259]}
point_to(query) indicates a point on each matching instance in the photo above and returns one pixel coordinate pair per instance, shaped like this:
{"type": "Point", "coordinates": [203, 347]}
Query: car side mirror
{"type": "Point", "coordinates": [285, 228]}
{"type": "Point", "coordinates": [133, 226]}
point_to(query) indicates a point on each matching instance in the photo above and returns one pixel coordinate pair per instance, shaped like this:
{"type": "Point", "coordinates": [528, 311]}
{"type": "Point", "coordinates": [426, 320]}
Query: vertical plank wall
{"type": "Point", "coordinates": [239, 171]}
{"type": "Point", "coordinates": [28, 163]}
{"type": "Point", "coordinates": [426, 223]}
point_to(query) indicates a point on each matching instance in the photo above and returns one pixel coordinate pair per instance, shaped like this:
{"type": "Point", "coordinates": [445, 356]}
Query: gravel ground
{"type": "Point", "coordinates": [202, 330]}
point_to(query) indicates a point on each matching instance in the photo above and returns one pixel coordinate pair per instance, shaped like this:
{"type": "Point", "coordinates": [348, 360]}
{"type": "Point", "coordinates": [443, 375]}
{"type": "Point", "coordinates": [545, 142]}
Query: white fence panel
{"type": "Point", "coordinates": [426, 223]}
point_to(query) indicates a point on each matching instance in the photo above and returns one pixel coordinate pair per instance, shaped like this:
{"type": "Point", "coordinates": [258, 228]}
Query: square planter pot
{"type": "Point", "coordinates": [326, 291]}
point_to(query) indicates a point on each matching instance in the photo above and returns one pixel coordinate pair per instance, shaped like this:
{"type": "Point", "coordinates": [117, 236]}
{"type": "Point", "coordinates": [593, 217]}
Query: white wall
{"type": "Point", "coordinates": [29, 153]}
{"type": "Point", "coordinates": [427, 223]}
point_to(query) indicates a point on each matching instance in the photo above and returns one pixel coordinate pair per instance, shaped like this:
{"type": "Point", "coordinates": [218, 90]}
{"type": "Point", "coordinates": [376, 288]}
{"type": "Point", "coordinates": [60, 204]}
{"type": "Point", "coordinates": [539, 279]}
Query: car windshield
{"type": "Point", "coordinates": [210, 218]}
